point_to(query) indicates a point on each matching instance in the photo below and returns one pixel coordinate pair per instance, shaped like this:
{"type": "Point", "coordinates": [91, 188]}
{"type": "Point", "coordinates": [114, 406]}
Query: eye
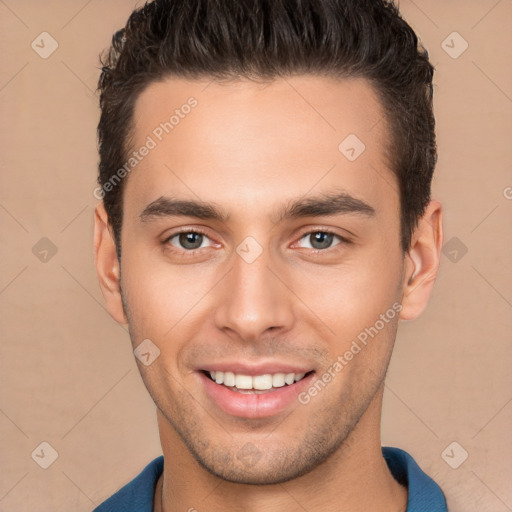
{"type": "Point", "coordinates": [189, 240]}
{"type": "Point", "coordinates": [319, 240]}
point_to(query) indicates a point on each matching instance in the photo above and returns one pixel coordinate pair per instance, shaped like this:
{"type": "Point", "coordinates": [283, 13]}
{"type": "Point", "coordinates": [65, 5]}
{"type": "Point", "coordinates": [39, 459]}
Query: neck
{"type": "Point", "coordinates": [354, 478]}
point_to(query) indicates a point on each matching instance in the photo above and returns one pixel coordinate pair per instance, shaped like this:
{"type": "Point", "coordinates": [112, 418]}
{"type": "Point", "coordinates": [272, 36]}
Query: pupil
{"type": "Point", "coordinates": [321, 240]}
{"type": "Point", "coordinates": [191, 240]}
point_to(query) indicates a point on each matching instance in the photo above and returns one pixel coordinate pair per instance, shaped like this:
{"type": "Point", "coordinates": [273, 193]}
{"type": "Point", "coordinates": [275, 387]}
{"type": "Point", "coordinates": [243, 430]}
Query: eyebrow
{"type": "Point", "coordinates": [322, 205]}
{"type": "Point", "coordinates": [170, 207]}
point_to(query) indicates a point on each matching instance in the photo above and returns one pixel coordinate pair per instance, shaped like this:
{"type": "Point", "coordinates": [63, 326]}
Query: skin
{"type": "Point", "coordinates": [251, 149]}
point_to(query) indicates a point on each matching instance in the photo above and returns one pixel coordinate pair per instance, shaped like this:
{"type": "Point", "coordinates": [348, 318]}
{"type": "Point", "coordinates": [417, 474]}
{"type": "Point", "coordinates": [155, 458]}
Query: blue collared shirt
{"type": "Point", "coordinates": [424, 494]}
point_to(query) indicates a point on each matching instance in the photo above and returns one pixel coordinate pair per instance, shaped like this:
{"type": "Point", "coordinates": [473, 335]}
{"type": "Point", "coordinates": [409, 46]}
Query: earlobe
{"type": "Point", "coordinates": [107, 265]}
{"type": "Point", "coordinates": [422, 262]}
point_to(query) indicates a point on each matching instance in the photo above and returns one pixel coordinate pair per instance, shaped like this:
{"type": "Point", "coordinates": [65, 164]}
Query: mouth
{"type": "Point", "coordinates": [260, 395]}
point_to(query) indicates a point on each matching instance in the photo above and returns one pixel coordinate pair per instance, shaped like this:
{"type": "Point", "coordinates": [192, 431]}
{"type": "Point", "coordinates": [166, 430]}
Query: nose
{"type": "Point", "coordinates": [254, 300]}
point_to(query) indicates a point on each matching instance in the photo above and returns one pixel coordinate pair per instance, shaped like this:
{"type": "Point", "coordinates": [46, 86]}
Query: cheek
{"type": "Point", "coordinates": [349, 298]}
{"type": "Point", "coordinates": [362, 325]}
{"type": "Point", "coordinates": [160, 296]}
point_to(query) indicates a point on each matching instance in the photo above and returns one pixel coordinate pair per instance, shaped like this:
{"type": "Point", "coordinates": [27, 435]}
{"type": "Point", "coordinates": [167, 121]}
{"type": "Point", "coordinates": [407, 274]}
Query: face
{"type": "Point", "coordinates": [258, 252]}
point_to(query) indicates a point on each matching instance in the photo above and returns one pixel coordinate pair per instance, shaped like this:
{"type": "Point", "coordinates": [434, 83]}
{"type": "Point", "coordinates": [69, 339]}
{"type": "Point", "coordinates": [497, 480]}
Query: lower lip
{"type": "Point", "coordinates": [252, 405]}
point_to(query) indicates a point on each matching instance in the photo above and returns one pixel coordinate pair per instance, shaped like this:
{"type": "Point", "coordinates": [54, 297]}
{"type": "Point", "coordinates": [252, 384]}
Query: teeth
{"type": "Point", "coordinates": [278, 380]}
{"type": "Point", "coordinates": [289, 378]}
{"type": "Point", "coordinates": [258, 382]}
{"type": "Point", "coordinates": [242, 381]}
{"type": "Point", "coordinates": [262, 381]}
{"type": "Point", "coordinates": [229, 379]}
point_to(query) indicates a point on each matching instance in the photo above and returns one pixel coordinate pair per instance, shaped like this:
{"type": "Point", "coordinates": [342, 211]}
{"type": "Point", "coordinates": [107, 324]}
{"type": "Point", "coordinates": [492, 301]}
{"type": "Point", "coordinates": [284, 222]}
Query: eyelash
{"type": "Point", "coordinates": [192, 252]}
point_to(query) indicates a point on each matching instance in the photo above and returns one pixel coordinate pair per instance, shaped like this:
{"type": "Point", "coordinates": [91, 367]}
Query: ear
{"type": "Point", "coordinates": [107, 265]}
{"type": "Point", "coordinates": [422, 262]}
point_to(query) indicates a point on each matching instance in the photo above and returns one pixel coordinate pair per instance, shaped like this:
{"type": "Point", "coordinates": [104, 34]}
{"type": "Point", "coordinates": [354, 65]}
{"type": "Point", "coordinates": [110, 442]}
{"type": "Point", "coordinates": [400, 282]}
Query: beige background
{"type": "Point", "coordinates": [68, 376]}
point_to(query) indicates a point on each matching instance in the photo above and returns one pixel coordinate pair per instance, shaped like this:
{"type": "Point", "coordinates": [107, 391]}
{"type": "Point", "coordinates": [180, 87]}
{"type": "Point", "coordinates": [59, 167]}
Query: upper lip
{"type": "Point", "coordinates": [252, 369]}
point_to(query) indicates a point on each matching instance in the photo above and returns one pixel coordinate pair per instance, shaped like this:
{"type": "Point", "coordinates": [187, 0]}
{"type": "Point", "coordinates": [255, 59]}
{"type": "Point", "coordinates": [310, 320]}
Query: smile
{"type": "Point", "coordinates": [262, 395]}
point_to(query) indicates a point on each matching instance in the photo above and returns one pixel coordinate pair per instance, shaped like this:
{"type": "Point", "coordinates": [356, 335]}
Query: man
{"type": "Point", "coordinates": [266, 221]}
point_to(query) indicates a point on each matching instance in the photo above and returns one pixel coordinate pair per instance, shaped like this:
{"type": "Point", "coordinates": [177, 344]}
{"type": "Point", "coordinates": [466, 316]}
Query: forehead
{"type": "Point", "coordinates": [259, 140]}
